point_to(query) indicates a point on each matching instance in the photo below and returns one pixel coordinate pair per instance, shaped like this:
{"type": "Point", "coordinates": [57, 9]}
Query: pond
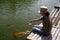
{"type": "Point", "coordinates": [14, 16]}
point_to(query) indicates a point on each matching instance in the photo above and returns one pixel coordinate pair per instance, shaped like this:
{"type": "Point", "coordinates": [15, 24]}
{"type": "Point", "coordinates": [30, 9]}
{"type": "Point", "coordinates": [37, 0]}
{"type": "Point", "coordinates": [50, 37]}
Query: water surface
{"type": "Point", "coordinates": [14, 16]}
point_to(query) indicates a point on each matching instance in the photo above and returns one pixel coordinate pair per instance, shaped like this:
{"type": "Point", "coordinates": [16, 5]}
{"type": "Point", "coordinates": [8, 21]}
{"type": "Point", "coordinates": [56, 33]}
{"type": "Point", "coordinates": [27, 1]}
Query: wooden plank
{"type": "Point", "coordinates": [56, 34]}
{"type": "Point", "coordinates": [52, 12]}
{"type": "Point", "coordinates": [39, 38]}
{"type": "Point", "coordinates": [56, 16]}
{"type": "Point", "coordinates": [33, 37]}
{"type": "Point", "coordinates": [52, 16]}
{"type": "Point", "coordinates": [58, 26]}
{"type": "Point", "coordinates": [30, 35]}
{"type": "Point", "coordinates": [57, 20]}
{"type": "Point", "coordinates": [58, 37]}
{"type": "Point", "coordinates": [36, 37]}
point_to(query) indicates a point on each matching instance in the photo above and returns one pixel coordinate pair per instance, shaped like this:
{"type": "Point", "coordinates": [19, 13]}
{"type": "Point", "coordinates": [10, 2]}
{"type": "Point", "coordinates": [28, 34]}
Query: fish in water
{"type": "Point", "coordinates": [4, 17]}
{"type": "Point", "coordinates": [19, 34]}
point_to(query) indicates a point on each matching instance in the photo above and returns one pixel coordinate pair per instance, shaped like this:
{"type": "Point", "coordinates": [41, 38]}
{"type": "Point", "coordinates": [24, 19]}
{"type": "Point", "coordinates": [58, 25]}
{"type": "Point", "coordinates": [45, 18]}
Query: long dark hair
{"type": "Point", "coordinates": [47, 13]}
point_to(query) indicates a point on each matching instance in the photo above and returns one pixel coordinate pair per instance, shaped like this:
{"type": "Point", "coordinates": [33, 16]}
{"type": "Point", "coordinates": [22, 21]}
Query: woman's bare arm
{"type": "Point", "coordinates": [35, 20]}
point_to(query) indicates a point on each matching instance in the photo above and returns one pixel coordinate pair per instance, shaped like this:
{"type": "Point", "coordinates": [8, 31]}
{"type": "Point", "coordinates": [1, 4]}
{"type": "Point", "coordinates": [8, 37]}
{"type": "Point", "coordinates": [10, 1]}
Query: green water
{"type": "Point", "coordinates": [14, 16]}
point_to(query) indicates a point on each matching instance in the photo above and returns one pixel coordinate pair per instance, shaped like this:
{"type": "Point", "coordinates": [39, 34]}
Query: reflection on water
{"type": "Point", "coordinates": [17, 13]}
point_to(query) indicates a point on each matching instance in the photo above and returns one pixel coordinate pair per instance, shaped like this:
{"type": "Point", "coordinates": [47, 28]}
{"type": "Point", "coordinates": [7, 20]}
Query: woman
{"type": "Point", "coordinates": [47, 24]}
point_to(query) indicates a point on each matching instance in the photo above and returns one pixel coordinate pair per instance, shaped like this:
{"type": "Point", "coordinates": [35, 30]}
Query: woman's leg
{"type": "Point", "coordinates": [37, 30]}
{"type": "Point", "coordinates": [40, 31]}
{"type": "Point", "coordinates": [44, 33]}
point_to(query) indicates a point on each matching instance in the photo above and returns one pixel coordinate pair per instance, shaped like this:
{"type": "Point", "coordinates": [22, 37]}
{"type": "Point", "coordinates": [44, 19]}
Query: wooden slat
{"type": "Point", "coordinates": [58, 37]}
{"type": "Point", "coordinates": [31, 34]}
{"type": "Point", "coordinates": [34, 36]}
{"type": "Point", "coordinates": [57, 20]}
{"type": "Point", "coordinates": [52, 12]}
{"type": "Point", "coordinates": [39, 38]}
{"type": "Point", "coordinates": [57, 25]}
{"type": "Point", "coordinates": [56, 16]}
{"type": "Point", "coordinates": [56, 34]}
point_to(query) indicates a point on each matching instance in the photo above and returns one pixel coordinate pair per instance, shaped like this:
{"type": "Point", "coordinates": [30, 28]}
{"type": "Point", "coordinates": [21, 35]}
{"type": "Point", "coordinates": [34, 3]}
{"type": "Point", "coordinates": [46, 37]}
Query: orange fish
{"type": "Point", "coordinates": [19, 34]}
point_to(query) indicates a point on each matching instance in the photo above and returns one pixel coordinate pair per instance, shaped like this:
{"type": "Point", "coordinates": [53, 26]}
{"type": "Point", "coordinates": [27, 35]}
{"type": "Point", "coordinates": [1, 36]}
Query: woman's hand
{"type": "Point", "coordinates": [30, 22]}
